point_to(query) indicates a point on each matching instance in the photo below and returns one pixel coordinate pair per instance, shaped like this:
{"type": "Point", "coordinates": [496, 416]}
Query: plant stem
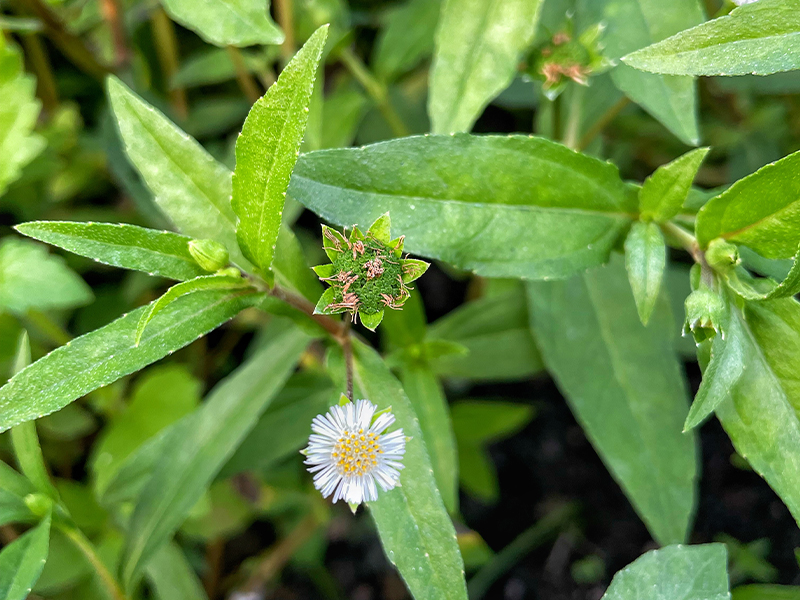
{"type": "Point", "coordinates": [574, 117]}
{"type": "Point", "coordinates": [686, 239]}
{"type": "Point", "coordinates": [276, 557]}
{"type": "Point", "coordinates": [285, 12]}
{"type": "Point", "coordinates": [86, 547]}
{"type": "Point", "coordinates": [70, 45]}
{"type": "Point", "coordinates": [40, 64]}
{"type": "Point", "coordinates": [336, 328]}
{"type": "Point", "coordinates": [601, 123]}
{"type": "Point", "coordinates": [167, 48]}
{"type": "Point", "coordinates": [347, 348]}
{"type": "Point", "coordinates": [555, 134]}
{"type": "Point", "coordinates": [546, 528]}
{"type": "Point", "coordinates": [243, 77]}
{"type": "Point", "coordinates": [376, 90]}
{"type": "Point", "coordinates": [113, 15]}
{"type": "Point", "coordinates": [49, 328]}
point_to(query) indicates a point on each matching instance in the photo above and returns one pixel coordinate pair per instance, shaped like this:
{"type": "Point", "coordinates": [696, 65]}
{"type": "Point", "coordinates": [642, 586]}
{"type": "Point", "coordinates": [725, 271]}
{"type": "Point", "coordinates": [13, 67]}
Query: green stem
{"type": "Point", "coordinates": [167, 49]}
{"type": "Point", "coordinates": [40, 64]}
{"type": "Point", "coordinates": [284, 10]}
{"type": "Point", "coordinates": [555, 134]}
{"type": "Point", "coordinates": [85, 546]}
{"type": "Point", "coordinates": [245, 80]}
{"type": "Point", "coordinates": [70, 45]}
{"type": "Point", "coordinates": [376, 90]}
{"type": "Point", "coordinates": [685, 239]}
{"type": "Point", "coordinates": [574, 117]}
{"type": "Point", "coordinates": [601, 123]}
{"type": "Point", "coordinates": [347, 349]}
{"type": "Point", "coordinates": [546, 528]}
{"type": "Point", "coordinates": [45, 325]}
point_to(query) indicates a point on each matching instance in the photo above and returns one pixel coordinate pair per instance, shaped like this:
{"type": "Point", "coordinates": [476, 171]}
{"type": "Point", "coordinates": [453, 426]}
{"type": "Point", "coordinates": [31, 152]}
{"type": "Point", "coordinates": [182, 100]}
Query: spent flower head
{"type": "Point", "coordinates": [349, 452]}
{"type": "Point", "coordinates": [367, 274]}
{"type": "Point", "coordinates": [565, 57]}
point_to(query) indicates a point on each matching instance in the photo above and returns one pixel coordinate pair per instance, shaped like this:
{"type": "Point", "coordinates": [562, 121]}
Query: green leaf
{"type": "Point", "coordinates": [13, 482]}
{"type": "Point", "coordinates": [496, 334]}
{"type": "Point", "coordinates": [172, 577]}
{"type": "Point", "coordinates": [406, 39]}
{"type": "Point", "coordinates": [724, 370]}
{"type": "Point", "coordinates": [198, 284]}
{"type": "Point", "coordinates": [227, 22]}
{"type": "Point", "coordinates": [24, 440]}
{"type": "Point", "coordinates": [162, 395]}
{"type": "Point", "coordinates": [476, 473]}
{"type": "Point", "coordinates": [284, 427]}
{"type": "Point", "coordinates": [19, 109]}
{"type": "Point", "coordinates": [685, 572]}
{"type": "Point", "coordinates": [761, 413]}
{"type": "Point", "coordinates": [192, 188]}
{"type": "Point", "coordinates": [161, 253]}
{"type": "Point", "coordinates": [211, 66]}
{"type": "Point", "coordinates": [103, 356]}
{"type": "Point", "coordinates": [758, 38]}
{"type": "Point", "coordinates": [645, 261]}
{"type": "Point", "coordinates": [428, 400]}
{"type": "Point", "coordinates": [341, 115]}
{"type": "Point", "coordinates": [486, 421]}
{"type": "Point", "coordinates": [371, 321]}
{"type": "Point", "coordinates": [22, 561]}
{"type": "Point", "coordinates": [626, 388]}
{"type": "Point", "coordinates": [13, 509]}
{"type": "Point", "coordinates": [478, 47]}
{"type": "Point", "coordinates": [200, 446]}
{"type": "Point", "coordinates": [32, 279]}
{"type": "Point", "coordinates": [469, 200]}
{"type": "Point", "coordinates": [663, 193]}
{"type": "Point", "coordinates": [741, 283]}
{"type": "Point", "coordinates": [266, 152]}
{"type": "Point", "coordinates": [761, 211]}
{"type": "Point", "coordinates": [416, 533]}
{"type": "Point", "coordinates": [766, 592]}
{"type": "Point", "coordinates": [633, 24]}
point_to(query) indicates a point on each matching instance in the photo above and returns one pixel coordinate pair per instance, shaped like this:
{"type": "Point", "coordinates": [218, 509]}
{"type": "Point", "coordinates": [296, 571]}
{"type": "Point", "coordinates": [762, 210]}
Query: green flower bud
{"type": "Point", "coordinates": [39, 504]}
{"type": "Point", "coordinates": [705, 313]}
{"type": "Point", "coordinates": [209, 254]}
{"type": "Point", "coordinates": [722, 256]}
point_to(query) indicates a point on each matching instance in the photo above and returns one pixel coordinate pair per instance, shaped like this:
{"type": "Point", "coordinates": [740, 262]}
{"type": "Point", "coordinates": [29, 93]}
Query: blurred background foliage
{"type": "Point", "coordinates": [61, 159]}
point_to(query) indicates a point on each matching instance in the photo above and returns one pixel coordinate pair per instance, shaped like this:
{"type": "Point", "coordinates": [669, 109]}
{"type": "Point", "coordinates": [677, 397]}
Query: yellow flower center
{"type": "Point", "coordinates": [356, 453]}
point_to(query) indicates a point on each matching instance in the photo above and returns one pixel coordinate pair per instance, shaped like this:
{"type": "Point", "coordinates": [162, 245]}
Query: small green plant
{"type": "Point", "coordinates": [582, 249]}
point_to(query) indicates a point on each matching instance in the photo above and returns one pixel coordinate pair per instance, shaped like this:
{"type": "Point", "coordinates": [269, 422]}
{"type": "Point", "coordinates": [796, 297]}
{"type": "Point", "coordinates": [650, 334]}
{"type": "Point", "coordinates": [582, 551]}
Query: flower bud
{"type": "Point", "coordinates": [722, 256]}
{"type": "Point", "coordinates": [209, 254]}
{"type": "Point", "coordinates": [705, 312]}
{"type": "Point", "coordinates": [38, 504]}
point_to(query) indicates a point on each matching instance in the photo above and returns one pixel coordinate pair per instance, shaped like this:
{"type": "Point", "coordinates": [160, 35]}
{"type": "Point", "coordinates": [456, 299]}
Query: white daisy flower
{"type": "Point", "coordinates": [348, 452]}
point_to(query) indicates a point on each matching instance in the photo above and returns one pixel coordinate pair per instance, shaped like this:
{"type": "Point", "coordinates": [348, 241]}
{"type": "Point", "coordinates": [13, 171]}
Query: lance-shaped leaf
{"type": "Point", "coordinates": [22, 561]}
{"type": "Point", "coordinates": [514, 206]}
{"type": "Point", "coordinates": [497, 336]}
{"type": "Point", "coordinates": [32, 279]}
{"type": "Point", "coordinates": [761, 211]}
{"type": "Point", "coordinates": [227, 22]}
{"type": "Point", "coordinates": [266, 153]}
{"type": "Point", "coordinates": [103, 356]}
{"type": "Point", "coordinates": [740, 282]}
{"type": "Point", "coordinates": [200, 445]}
{"type": "Point", "coordinates": [192, 188]}
{"type": "Point", "coordinates": [625, 386]}
{"type": "Point", "coordinates": [662, 195]}
{"type": "Point", "coordinates": [634, 24]}
{"type": "Point", "coordinates": [759, 38]}
{"type": "Point", "coordinates": [160, 253]}
{"type": "Point", "coordinates": [645, 261]}
{"type": "Point", "coordinates": [685, 572]}
{"type": "Point", "coordinates": [208, 282]}
{"type": "Point", "coordinates": [427, 397]}
{"type": "Point", "coordinates": [478, 47]}
{"type": "Point", "coordinates": [406, 39]}
{"type": "Point", "coordinates": [415, 530]}
{"type": "Point", "coordinates": [19, 109]}
{"type": "Point", "coordinates": [172, 575]}
{"type": "Point", "coordinates": [724, 370]}
{"type": "Point", "coordinates": [761, 415]}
